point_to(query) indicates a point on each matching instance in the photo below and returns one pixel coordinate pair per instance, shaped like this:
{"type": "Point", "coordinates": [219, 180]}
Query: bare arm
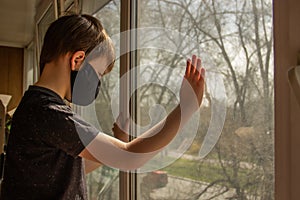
{"type": "Point", "coordinates": [133, 154]}
{"type": "Point", "coordinates": [91, 165]}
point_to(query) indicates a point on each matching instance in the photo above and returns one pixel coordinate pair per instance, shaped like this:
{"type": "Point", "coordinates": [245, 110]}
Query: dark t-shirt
{"type": "Point", "coordinates": [42, 153]}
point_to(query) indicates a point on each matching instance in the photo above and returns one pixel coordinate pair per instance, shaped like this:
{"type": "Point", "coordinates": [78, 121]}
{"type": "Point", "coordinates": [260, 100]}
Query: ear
{"type": "Point", "coordinates": [76, 59]}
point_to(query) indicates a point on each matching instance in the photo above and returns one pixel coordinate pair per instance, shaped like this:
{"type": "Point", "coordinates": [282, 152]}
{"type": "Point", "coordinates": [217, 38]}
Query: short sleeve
{"type": "Point", "coordinates": [63, 129]}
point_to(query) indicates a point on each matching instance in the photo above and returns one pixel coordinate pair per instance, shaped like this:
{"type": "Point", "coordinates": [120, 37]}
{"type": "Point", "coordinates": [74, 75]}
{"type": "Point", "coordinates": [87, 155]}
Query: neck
{"type": "Point", "coordinates": [56, 77]}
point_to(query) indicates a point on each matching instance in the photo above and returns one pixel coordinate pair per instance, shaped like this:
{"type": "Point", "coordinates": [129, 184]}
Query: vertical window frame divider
{"type": "Point", "coordinates": [42, 9]}
{"type": "Point", "coordinates": [129, 108]}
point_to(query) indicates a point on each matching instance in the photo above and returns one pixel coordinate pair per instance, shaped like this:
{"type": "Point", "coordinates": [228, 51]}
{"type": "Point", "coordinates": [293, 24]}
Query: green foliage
{"type": "Point", "coordinates": [208, 172]}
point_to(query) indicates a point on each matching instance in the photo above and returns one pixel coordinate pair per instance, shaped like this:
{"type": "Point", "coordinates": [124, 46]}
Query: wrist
{"type": "Point", "coordinates": [188, 108]}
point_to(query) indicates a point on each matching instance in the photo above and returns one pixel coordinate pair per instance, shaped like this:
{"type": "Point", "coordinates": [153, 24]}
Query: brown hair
{"type": "Point", "coordinates": [73, 33]}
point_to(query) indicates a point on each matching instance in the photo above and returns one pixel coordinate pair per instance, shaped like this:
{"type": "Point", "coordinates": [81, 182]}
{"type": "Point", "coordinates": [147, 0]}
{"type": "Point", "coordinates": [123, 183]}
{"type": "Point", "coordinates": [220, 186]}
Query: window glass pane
{"type": "Point", "coordinates": [30, 66]}
{"type": "Point", "coordinates": [103, 182]}
{"type": "Point", "coordinates": [43, 25]}
{"type": "Point", "coordinates": [234, 40]}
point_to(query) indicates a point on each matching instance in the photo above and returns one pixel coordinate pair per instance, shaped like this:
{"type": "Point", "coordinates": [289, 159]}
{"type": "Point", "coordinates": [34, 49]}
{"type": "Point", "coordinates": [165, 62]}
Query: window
{"type": "Point", "coordinates": [30, 66]}
{"type": "Point", "coordinates": [234, 40]}
{"type": "Point", "coordinates": [235, 43]}
{"type": "Point", "coordinates": [103, 183]}
{"type": "Point", "coordinates": [43, 23]}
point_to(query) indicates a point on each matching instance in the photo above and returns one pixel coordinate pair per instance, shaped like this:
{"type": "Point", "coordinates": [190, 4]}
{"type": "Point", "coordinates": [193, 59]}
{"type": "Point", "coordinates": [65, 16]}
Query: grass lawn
{"type": "Point", "coordinates": [204, 172]}
{"type": "Point", "coordinates": [193, 170]}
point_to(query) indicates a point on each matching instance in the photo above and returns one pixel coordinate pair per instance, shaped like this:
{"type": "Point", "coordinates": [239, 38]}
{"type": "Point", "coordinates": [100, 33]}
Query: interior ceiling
{"type": "Point", "coordinates": [16, 22]}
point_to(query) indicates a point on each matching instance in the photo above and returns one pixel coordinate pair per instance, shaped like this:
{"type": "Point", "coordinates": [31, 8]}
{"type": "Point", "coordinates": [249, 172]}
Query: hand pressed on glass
{"type": "Point", "coordinates": [193, 79]}
{"type": "Point", "coordinates": [121, 128]}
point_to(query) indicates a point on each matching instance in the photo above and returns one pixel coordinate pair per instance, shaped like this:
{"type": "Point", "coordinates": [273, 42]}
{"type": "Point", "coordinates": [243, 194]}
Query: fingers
{"type": "Point", "coordinates": [188, 68]}
{"type": "Point", "coordinates": [118, 120]}
{"type": "Point", "coordinates": [127, 125]}
{"type": "Point", "coordinates": [202, 72]}
{"type": "Point", "coordinates": [193, 64]}
{"type": "Point", "coordinates": [194, 68]}
{"type": "Point", "coordinates": [115, 127]}
{"type": "Point", "coordinates": [199, 65]}
{"type": "Point", "coordinates": [123, 123]}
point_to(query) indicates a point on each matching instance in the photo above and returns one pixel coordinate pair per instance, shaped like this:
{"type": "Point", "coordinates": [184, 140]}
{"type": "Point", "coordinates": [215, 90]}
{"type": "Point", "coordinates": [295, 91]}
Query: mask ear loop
{"type": "Point", "coordinates": [98, 89]}
{"type": "Point", "coordinates": [100, 75]}
{"type": "Point", "coordinates": [73, 76]}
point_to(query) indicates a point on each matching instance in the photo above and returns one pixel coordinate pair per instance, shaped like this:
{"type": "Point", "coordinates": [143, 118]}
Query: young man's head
{"type": "Point", "coordinates": [75, 37]}
{"type": "Point", "coordinates": [73, 33]}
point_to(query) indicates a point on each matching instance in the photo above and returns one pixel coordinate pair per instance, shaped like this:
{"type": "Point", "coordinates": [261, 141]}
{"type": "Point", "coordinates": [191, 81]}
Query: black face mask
{"type": "Point", "coordinates": [85, 85]}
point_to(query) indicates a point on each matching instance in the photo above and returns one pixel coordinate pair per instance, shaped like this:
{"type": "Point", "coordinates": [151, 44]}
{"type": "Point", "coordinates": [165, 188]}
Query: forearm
{"type": "Point", "coordinates": [90, 165]}
{"type": "Point", "coordinates": [127, 156]}
{"type": "Point", "coordinates": [161, 134]}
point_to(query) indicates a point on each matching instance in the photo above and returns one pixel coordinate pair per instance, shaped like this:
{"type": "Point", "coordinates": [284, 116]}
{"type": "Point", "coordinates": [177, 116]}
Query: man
{"type": "Point", "coordinates": [48, 140]}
